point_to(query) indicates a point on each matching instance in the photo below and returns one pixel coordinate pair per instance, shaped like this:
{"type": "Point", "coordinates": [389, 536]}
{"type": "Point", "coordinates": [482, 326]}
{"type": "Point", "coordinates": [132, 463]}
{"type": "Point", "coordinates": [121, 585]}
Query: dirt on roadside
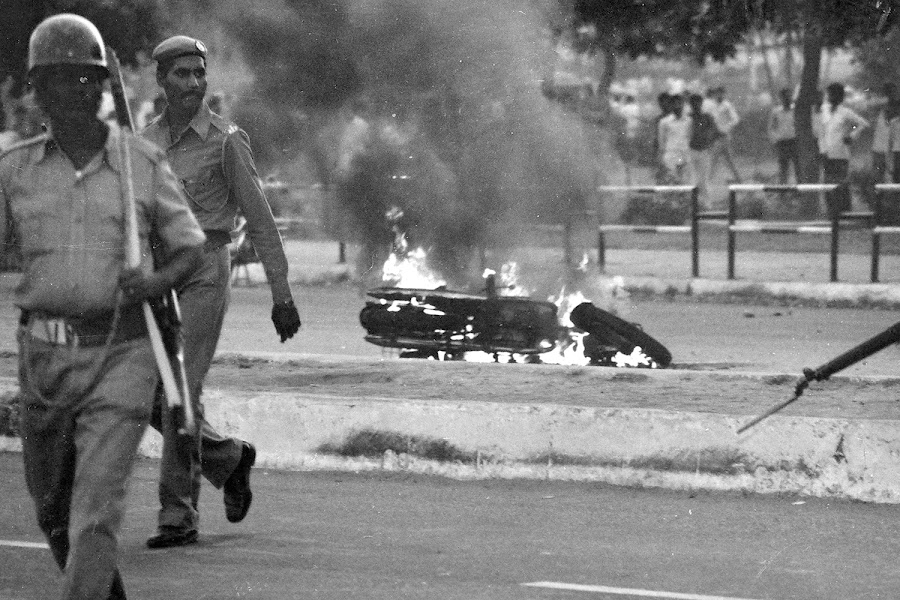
{"type": "Point", "coordinates": [664, 389]}
{"type": "Point", "coordinates": [590, 387]}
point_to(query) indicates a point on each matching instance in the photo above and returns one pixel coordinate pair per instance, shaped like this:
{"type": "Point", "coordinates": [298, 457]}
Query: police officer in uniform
{"type": "Point", "coordinates": [86, 366]}
{"type": "Point", "coordinates": [213, 161]}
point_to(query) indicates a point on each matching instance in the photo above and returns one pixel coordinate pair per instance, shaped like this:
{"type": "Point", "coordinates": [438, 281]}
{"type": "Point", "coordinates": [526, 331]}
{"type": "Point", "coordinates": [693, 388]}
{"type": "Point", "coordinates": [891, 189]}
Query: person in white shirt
{"type": "Point", "coordinates": [881, 136]}
{"type": "Point", "coordinates": [784, 136]}
{"type": "Point", "coordinates": [674, 136]}
{"type": "Point", "coordinates": [726, 118]}
{"type": "Point", "coordinates": [839, 130]}
{"type": "Point", "coordinates": [631, 112]}
{"type": "Point", "coordinates": [893, 115]}
{"type": "Point", "coordinates": [819, 115]}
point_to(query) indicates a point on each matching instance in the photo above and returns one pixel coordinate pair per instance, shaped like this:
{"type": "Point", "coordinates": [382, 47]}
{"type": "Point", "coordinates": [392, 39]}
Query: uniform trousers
{"type": "Point", "coordinates": [203, 300]}
{"type": "Point", "coordinates": [84, 413]}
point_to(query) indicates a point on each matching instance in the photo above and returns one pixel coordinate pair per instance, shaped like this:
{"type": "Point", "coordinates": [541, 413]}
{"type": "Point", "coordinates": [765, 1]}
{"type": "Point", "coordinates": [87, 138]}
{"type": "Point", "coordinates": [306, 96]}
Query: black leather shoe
{"type": "Point", "coordinates": [173, 538]}
{"type": "Point", "coordinates": [237, 488]}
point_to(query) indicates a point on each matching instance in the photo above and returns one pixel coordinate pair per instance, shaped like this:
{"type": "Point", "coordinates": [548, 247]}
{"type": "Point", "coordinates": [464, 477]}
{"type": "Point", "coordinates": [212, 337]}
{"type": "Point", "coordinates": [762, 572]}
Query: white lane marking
{"type": "Point", "coordinates": [602, 589]}
{"type": "Point", "coordinates": [16, 544]}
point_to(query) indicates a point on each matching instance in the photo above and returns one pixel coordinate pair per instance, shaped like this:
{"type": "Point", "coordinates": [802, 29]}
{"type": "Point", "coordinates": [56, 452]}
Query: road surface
{"type": "Point", "coordinates": [388, 536]}
{"type": "Point", "coordinates": [699, 335]}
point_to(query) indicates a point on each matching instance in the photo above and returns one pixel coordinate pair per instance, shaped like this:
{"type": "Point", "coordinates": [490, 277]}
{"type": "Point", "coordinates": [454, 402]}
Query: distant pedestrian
{"type": "Point", "coordinates": [784, 136]}
{"type": "Point", "coordinates": [818, 117]}
{"type": "Point", "coordinates": [842, 126]}
{"type": "Point", "coordinates": [881, 136]}
{"type": "Point", "coordinates": [631, 112]}
{"type": "Point", "coordinates": [726, 118]}
{"type": "Point", "coordinates": [704, 134]}
{"type": "Point", "coordinates": [664, 101]}
{"type": "Point", "coordinates": [893, 115]}
{"type": "Point", "coordinates": [674, 136]}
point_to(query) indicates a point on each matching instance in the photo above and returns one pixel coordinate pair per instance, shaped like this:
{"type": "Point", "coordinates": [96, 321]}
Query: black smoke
{"type": "Point", "coordinates": [458, 133]}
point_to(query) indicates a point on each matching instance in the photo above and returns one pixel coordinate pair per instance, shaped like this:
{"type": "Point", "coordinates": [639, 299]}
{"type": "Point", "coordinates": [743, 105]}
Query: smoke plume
{"type": "Point", "coordinates": [429, 105]}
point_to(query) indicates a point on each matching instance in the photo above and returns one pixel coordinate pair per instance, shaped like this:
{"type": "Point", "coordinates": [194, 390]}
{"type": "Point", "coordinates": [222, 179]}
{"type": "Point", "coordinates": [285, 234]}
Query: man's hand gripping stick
{"type": "Point", "coordinates": [167, 350]}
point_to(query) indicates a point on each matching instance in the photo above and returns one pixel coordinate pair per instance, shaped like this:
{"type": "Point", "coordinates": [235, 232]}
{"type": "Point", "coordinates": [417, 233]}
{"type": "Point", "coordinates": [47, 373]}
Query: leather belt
{"type": "Point", "coordinates": [215, 239]}
{"type": "Point", "coordinates": [84, 332]}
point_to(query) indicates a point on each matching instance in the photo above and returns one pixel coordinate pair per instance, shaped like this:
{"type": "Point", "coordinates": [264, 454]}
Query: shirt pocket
{"type": "Point", "coordinates": [207, 190]}
{"type": "Point", "coordinates": [40, 226]}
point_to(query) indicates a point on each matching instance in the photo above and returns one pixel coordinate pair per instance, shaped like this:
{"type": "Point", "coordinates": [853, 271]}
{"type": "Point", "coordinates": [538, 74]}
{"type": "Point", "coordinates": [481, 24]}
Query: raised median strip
{"type": "Point", "coordinates": [621, 426]}
{"type": "Point", "coordinates": [858, 459]}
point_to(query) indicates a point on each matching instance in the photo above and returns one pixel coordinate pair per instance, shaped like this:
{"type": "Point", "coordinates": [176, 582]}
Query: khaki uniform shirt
{"type": "Point", "coordinates": [70, 225]}
{"type": "Point", "coordinates": [213, 161]}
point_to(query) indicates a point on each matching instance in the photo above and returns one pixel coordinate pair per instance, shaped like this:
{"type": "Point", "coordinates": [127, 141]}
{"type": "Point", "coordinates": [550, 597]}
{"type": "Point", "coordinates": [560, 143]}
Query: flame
{"type": "Point", "coordinates": [408, 268]}
{"type": "Point", "coordinates": [570, 347]}
{"type": "Point", "coordinates": [404, 267]}
{"type": "Point", "coordinates": [410, 271]}
{"type": "Point", "coordinates": [637, 358]}
{"type": "Point", "coordinates": [428, 309]}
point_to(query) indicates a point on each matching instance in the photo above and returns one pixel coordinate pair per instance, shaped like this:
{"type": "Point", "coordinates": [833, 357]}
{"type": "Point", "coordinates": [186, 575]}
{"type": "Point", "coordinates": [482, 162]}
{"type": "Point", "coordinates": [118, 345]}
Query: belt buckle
{"type": "Point", "coordinates": [56, 331]}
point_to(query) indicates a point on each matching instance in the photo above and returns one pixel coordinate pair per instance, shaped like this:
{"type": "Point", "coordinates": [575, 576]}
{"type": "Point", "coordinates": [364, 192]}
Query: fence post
{"type": "Point", "coordinates": [835, 237]}
{"type": "Point", "coordinates": [876, 237]}
{"type": "Point", "coordinates": [601, 250]}
{"type": "Point", "coordinates": [695, 232]}
{"type": "Point", "coordinates": [342, 253]}
{"type": "Point", "coordinates": [732, 214]}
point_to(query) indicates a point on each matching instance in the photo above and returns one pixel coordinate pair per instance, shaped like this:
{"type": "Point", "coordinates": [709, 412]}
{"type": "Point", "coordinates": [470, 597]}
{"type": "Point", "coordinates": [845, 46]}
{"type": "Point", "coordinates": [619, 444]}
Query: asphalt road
{"type": "Point", "coordinates": [381, 536]}
{"type": "Point", "coordinates": [378, 536]}
{"type": "Point", "coordinates": [699, 335]}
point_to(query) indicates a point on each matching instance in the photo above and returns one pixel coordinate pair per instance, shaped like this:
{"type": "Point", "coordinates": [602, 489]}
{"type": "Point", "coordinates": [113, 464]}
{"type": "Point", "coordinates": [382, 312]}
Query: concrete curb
{"type": "Point", "coordinates": [858, 460]}
{"type": "Point", "coordinates": [827, 294]}
{"type": "Point", "coordinates": [823, 457]}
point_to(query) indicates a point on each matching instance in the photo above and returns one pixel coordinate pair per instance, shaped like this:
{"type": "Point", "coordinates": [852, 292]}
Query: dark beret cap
{"type": "Point", "coordinates": [178, 45]}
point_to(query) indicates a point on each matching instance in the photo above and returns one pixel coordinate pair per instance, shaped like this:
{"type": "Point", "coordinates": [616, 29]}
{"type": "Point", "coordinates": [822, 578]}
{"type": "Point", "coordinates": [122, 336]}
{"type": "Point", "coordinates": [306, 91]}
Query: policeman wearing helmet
{"type": "Point", "coordinates": [87, 370]}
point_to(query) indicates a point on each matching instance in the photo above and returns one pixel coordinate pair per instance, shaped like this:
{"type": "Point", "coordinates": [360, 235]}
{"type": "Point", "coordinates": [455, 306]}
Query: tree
{"type": "Point", "coordinates": [128, 26]}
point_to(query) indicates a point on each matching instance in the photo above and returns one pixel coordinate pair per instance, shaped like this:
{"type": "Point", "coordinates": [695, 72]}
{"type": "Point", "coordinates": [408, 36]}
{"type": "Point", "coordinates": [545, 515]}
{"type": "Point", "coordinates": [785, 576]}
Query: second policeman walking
{"type": "Point", "coordinates": [213, 161]}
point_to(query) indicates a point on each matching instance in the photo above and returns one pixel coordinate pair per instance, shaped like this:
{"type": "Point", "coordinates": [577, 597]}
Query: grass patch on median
{"type": "Point", "coordinates": [708, 461]}
{"type": "Point", "coordinates": [371, 443]}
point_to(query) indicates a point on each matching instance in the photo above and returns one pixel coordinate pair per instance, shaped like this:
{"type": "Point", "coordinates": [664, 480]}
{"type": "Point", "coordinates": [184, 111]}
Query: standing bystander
{"type": "Point", "coordinates": [784, 137]}
{"type": "Point", "coordinates": [674, 136]}
{"type": "Point", "coordinates": [212, 158]}
{"type": "Point", "coordinates": [893, 114]}
{"type": "Point", "coordinates": [664, 101]}
{"type": "Point", "coordinates": [881, 135]}
{"type": "Point", "coordinates": [839, 130]}
{"type": "Point", "coordinates": [726, 118]}
{"type": "Point", "coordinates": [704, 134]}
{"type": "Point", "coordinates": [86, 366]}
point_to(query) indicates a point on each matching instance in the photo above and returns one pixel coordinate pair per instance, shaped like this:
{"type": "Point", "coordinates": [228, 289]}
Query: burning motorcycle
{"type": "Point", "coordinates": [423, 323]}
{"type": "Point", "coordinates": [438, 323]}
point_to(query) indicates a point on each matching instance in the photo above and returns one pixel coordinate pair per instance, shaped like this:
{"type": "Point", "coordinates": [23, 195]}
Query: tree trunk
{"type": "Point", "coordinates": [767, 65]}
{"type": "Point", "coordinates": [809, 82]}
{"type": "Point", "coordinates": [789, 58]}
{"type": "Point", "coordinates": [609, 71]}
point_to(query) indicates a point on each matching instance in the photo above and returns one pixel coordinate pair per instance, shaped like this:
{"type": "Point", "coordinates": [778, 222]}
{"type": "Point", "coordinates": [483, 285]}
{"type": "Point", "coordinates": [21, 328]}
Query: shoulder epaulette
{"type": "Point", "coordinates": [223, 125]}
{"type": "Point", "coordinates": [26, 143]}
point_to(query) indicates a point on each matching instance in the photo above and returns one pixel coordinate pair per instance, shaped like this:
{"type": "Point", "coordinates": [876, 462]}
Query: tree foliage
{"type": "Point", "coordinates": [712, 29]}
{"type": "Point", "coordinates": [128, 26]}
